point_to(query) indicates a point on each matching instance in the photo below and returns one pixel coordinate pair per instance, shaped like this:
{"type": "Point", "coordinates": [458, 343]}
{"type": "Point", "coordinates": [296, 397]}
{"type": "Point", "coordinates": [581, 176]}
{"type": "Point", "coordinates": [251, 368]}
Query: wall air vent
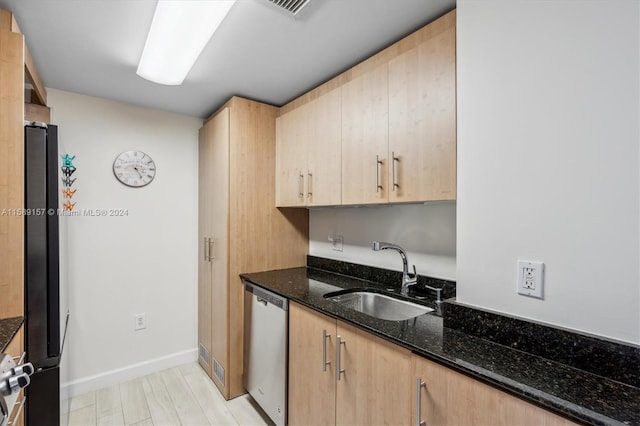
{"type": "Point", "coordinates": [218, 371]}
{"type": "Point", "coordinates": [204, 354]}
{"type": "Point", "coordinates": [293, 6]}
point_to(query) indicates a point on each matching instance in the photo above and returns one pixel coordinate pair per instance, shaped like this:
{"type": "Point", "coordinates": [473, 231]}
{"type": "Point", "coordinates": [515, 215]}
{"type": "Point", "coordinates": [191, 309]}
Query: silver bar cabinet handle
{"type": "Point", "coordinates": [211, 244]}
{"type": "Point", "coordinates": [339, 370]}
{"type": "Point", "coordinates": [378, 162]}
{"type": "Point", "coordinates": [206, 247]}
{"type": "Point", "coordinates": [419, 385]}
{"type": "Point", "coordinates": [394, 185]}
{"type": "Point", "coordinates": [325, 335]}
{"type": "Point", "coordinates": [309, 176]}
{"type": "Point", "coordinates": [301, 186]}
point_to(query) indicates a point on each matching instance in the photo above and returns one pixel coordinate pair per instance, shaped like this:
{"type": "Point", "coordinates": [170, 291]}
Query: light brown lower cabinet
{"type": "Point", "coordinates": [380, 382]}
{"type": "Point", "coordinates": [373, 386]}
{"type": "Point", "coordinates": [451, 398]}
{"type": "Point", "coordinates": [312, 374]}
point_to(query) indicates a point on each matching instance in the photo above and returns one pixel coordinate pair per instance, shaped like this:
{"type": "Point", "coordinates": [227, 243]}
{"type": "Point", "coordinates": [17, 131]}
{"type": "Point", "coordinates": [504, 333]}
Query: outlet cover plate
{"type": "Point", "coordinates": [531, 278]}
{"type": "Point", "coordinates": [336, 242]}
{"type": "Point", "coordinates": [140, 322]}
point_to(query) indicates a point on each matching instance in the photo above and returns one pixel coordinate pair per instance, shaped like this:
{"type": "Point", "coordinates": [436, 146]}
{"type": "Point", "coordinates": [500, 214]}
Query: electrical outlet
{"type": "Point", "coordinates": [531, 278]}
{"type": "Point", "coordinates": [140, 322]}
{"type": "Point", "coordinates": [336, 241]}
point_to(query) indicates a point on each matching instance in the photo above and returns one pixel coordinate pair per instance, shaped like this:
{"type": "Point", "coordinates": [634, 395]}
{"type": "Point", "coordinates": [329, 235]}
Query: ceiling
{"type": "Point", "coordinates": [260, 51]}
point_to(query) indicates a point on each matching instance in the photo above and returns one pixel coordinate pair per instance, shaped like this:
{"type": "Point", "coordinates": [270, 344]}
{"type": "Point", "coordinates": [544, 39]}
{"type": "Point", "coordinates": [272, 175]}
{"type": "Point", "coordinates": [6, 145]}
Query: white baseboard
{"type": "Point", "coordinates": [129, 372]}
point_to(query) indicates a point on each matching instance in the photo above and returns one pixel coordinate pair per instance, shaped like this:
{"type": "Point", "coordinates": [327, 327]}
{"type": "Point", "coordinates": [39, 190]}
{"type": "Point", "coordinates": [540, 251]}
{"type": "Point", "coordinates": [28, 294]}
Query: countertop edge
{"type": "Point", "coordinates": [8, 329]}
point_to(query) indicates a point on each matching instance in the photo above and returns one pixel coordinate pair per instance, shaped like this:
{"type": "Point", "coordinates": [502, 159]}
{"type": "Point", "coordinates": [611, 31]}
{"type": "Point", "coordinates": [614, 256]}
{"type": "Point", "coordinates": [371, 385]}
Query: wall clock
{"type": "Point", "coordinates": [134, 168]}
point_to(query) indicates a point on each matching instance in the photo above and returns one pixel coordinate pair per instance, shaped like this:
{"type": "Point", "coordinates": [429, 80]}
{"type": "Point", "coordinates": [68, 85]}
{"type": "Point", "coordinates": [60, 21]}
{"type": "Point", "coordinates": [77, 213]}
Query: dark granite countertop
{"type": "Point", "coordinates": [8, 328]}
{"type": "Point", "coordinates": [576, 394]}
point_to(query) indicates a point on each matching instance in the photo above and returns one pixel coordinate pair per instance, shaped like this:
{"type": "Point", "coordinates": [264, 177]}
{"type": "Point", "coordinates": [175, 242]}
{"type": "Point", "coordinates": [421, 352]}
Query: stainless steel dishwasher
{"type": "Point", "coordinates": [266, 318]}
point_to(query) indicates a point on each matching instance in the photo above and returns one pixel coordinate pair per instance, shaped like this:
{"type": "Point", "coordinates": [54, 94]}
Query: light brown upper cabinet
{"type": "Point", "coordinates": [365, 138]}
{"type": "Point", "coordinates": [291, 160]}
{"type": "Point", "coordinates": [308, 158]}
{"type": "Point", "coordinates": [422, 119]}
{"type": "Point", "coordinates": [383, 131]}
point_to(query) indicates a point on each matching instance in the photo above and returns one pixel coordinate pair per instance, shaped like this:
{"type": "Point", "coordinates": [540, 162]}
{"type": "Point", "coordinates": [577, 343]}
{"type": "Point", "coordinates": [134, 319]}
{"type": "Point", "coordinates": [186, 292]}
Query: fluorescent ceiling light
{"type": "Point", "coordinates": [179, 32]}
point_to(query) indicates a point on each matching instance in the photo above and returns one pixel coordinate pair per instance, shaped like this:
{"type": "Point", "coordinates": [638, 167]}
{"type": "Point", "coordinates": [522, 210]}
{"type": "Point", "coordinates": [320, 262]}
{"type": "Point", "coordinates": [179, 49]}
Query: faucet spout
{"type": "Point", "coordinates": [407, 279]}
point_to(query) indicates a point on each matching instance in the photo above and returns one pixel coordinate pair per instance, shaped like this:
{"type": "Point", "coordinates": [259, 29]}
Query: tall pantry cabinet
{"type": "Point", "coordinates": [239, 230]}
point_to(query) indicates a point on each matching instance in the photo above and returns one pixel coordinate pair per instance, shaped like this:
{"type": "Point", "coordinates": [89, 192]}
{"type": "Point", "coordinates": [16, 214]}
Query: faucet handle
{"type": "Point", "coordinates": [415, 274]}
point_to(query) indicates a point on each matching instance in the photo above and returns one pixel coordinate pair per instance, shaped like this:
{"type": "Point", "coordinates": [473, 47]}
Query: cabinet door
{"type": "Point", "coordinates": [422, 120]}
{"type": "Point", "coordinates": [434, 405]}
{"type": "Point", "coordinates": [365, 138]}
{"type": "Point", "coordinates": [291, 160]}
{"type": "Point", "coordinates": [312, 389]}
{"type": "Point", "coordinates": [321, 127]}
{"type": "Point", "coordinates": [374, 387]}
{"type": "Point", "coordinates": [205, 201]}
{"type": "Point", "coordinates": [450, 398]}
{"type": "Point", "coordinates": [219, 213]}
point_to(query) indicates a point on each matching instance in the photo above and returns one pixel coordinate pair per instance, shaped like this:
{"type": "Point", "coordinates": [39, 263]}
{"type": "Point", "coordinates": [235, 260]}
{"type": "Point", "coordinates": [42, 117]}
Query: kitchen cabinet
{"type": "Point", "coordinates": [451, 398]}
{"type": "Point", "coordinates": [213, 198]}
{"type": "Point", "coordinates": [16, 69]}
{"type": "Point", "coordinates": [375, 385]}
{"type": "Point", "coordinates": [312, 364]}
{"type": "Point", "coordinates": [11, 170]}
{"type": "Point", "coordinates": [396, 122]}
{"type": "Point", "coordinates": [379, 382]}
{"type": "Point", "coordinates": [365, 138]}
{"type": "Point", "coordinates": [371, 388]}
{"type": "Point", "coordinates": [239, 230]}
{"type": "Point", "coordinates": [291, 160]}
{"type": "Point", "coordinates": [308, 168]}
{"type": "Point", "coordinates": [422, 119]}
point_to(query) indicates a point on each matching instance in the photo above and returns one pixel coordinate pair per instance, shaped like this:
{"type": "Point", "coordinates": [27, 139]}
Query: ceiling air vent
{"type": "Point", "coordinates": [293, 6]}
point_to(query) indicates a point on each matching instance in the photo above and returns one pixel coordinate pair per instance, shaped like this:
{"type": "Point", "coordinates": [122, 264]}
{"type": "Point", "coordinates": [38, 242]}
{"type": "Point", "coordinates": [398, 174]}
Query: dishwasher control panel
{"type": "Point", "coordinates": [265, 296]}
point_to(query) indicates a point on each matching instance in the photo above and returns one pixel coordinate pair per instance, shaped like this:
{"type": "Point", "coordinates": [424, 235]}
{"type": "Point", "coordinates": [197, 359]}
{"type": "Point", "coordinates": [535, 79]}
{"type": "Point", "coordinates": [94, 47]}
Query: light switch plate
{"type": "Point", "coordinates": [531, 278]}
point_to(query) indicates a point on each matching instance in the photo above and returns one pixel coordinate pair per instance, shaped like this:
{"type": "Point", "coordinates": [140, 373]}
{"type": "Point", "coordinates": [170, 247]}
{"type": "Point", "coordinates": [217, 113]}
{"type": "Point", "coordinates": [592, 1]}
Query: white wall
{"type": "Point", "coordinates": [427, 232]}
{"type": "Point", "coordinates": [548, 159]}
{"type": "Point", "coordinates": [145, 262]}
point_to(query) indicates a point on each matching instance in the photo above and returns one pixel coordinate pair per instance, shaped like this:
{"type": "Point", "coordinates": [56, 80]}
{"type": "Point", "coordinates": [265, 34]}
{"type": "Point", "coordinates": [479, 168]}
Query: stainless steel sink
{"type": "Point", "coordinates": [380, 306]}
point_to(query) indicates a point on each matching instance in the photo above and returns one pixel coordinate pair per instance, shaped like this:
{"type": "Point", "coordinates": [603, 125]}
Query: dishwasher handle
{"type": "Point", "coordinates": [266, 297]}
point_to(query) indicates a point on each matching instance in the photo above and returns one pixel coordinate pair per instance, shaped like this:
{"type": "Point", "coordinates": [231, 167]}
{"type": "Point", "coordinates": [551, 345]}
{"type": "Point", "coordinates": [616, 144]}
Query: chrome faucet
{"type": "Point", "coordinates": [407, 279]}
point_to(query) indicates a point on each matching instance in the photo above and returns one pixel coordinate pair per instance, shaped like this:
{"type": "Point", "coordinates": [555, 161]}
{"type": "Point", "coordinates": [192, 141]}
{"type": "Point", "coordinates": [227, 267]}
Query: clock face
{"type": "Point", "coordinates": [134, 168]}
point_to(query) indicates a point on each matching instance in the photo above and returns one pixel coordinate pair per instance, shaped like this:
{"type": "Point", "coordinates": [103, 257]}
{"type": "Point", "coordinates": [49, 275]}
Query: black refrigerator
{"type": "Point", "coordinates": [42, 274]}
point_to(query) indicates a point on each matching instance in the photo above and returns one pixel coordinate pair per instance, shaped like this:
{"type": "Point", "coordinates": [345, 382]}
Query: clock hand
{"type": "Point", "coordinates": [136, 169]}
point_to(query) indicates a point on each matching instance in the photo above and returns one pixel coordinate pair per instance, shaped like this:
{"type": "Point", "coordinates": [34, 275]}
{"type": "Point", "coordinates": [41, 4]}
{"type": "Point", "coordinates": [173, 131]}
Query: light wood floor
{"type": "Point", "coordinates": [183, 395]}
